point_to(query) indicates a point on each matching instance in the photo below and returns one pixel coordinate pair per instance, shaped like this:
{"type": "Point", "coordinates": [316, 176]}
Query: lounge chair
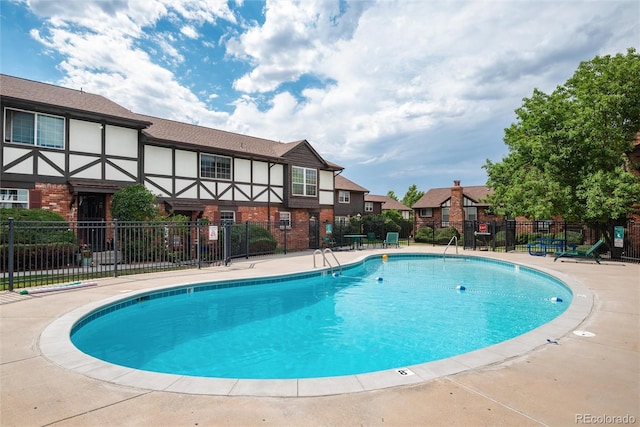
{"type": "Point", "coordinates": [592, 252]}
{"type": "Point", "coordinates": [392, 239]}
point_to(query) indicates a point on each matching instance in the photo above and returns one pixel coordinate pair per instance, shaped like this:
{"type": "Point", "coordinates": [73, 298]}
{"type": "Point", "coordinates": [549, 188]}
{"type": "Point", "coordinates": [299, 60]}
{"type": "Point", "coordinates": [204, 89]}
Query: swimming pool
{"type": "Point", "coordinates": [374, 316]}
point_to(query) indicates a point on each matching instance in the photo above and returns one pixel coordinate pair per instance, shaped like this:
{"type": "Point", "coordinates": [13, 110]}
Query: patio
{"type": "Point", "coordinates": [580, 380]}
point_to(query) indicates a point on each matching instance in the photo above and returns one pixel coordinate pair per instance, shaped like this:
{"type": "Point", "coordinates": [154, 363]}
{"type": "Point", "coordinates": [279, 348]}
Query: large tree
{"type": "Point", "coordinates": [568, 150]}
{"type": "Point", "coordinates": [412, 196]}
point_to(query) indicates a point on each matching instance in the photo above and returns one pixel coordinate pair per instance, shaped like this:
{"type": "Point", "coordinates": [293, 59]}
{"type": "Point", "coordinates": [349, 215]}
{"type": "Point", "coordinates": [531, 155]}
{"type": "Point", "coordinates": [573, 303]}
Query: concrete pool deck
{"type": "Point", "coordinates": [529, 381]}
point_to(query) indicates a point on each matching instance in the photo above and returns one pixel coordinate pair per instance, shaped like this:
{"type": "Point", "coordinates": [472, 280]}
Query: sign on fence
{"type": "Point", "coordinates": [213, 232]}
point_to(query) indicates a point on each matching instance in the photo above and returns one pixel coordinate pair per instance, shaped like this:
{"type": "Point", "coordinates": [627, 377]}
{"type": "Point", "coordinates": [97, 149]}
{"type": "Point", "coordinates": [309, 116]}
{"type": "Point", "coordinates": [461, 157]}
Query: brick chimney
{"type": "Point", "coordinates": [456, 210]}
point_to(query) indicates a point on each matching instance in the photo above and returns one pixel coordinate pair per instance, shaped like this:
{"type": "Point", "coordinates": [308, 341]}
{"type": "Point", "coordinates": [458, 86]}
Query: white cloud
{"type": "Point", "coordinates": [104, 55]}
{"type": "Point", "coordinates": [295, 39]}
{"type": "Point", "coordinates": [423, 87]}
{"type": "Point", "coordinates": [189, 32]}
{"type": "Point", "coordinates": [417, 66]}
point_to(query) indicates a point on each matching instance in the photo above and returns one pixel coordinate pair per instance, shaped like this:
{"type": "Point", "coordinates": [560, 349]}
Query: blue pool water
{"type": "Point", "coordinates": [376, 315]}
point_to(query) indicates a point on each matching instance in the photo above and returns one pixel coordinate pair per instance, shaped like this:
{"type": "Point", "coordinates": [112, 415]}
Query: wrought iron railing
{"type": "Point", "coordinates": [42, 253]}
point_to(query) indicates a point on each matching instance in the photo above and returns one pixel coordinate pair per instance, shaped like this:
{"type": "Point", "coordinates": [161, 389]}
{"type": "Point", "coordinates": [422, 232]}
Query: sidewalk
{"type": "Point", "coordinates": [583, 379]}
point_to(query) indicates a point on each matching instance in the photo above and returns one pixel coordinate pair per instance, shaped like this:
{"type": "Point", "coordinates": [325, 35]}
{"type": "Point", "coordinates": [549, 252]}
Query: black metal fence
{"type": "Point", "coordinates": [41, 253]}
{"type": "Point", "coordinates": [622, 241]}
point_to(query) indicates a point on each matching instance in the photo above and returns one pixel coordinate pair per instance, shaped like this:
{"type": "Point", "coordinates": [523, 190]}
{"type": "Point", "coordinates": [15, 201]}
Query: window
{"type": "Point", "coordinates": [471, 213]}
{"type": "Point", "coordinates": [285, 219]}
{"type": "Point", "coordinates": [445, 217]}
{"type": "Point", "coordinates": [10, 198]}
{"type": "Point", "coordinates": [304, 181]}
{"type": "Point", "coordinates": [542, 226]}
{"type": "Point", "coordinates": [216, 167]}
{"type": "Point", "coordinates": [368, 206]}
{"type": "Point", "coordinates": [227, 217]}
{"type": "Point", "coordinates": [341, 220]}
{"type": "Point", "coordinates": [426, 212]}
{"type": "Point", "coordinates": [43, 130]}
{"type": "Point", "coordinates": [344, 197]}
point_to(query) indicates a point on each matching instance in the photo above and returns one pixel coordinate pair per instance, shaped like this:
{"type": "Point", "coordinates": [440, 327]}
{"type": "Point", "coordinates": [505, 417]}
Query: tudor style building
{"type": "Point", "coordinates": [378, 204]}
{"type": "Point", "coordinates": [68, 151]}
{"type": "Point", "coordinates": [349, 199]}
{"type": "Point", "coordinates": [452, 206]}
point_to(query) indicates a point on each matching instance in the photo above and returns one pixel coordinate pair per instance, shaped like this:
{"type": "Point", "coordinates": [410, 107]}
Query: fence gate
{"type": "Point", "coordinates": [469, 228]}
{"type": "Point", "coordinates": [314, 231]}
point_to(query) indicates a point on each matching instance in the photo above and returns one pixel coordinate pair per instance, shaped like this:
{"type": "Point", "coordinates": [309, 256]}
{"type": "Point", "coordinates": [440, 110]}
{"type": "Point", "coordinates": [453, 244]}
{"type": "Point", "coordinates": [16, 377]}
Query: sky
{"type": "Point", "coordinates": [399, 93]}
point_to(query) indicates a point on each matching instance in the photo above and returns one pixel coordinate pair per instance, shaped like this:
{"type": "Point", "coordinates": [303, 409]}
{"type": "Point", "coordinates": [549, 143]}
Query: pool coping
{"type": "Point", "coordinates": [55, 344]}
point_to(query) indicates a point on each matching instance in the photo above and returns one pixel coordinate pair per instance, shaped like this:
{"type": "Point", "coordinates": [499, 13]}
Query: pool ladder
{"type": "Point", "coordinates": [449, 244]}
{"type": "Point", "coordinates": [325, 261]}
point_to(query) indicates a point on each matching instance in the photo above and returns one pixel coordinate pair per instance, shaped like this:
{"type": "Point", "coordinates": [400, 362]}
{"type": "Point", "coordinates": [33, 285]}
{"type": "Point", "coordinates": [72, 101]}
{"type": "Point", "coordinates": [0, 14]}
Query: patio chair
{"type": "Point", "coordinates": [371, 241]}
{"type": "Point", "coordinates": [328, 242]}
{"type": "Point", "coordinates": [392, 239]}
{"type": "Point", "coordinates": [592, 252]}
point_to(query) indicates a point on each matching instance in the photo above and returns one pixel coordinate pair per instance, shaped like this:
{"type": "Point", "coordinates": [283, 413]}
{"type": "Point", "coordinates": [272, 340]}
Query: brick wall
{"type": "Point", "coordinates": [428, 221]}
{"type": "Point", "coordinates": [57, 198]}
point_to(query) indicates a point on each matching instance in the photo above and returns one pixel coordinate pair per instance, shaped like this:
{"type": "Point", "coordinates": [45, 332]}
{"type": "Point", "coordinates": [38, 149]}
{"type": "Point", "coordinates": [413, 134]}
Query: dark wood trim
{"type": "Point", "coordinates": [115, 166]}
{"type": "Point", "coordinates": [84, 167]}
{"type": "Point", "coordinates": [50, 163]}
{"type": "Point", "coordinates": [188, 187]}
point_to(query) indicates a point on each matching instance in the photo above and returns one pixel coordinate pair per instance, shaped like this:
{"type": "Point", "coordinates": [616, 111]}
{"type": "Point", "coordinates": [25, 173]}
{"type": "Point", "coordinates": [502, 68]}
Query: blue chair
{"type": "Point", "coordinates": [328, 242]}
{"type": "Point", "coordinates": [371, 240]}
{"type": "Point", "coordinates": [392, 239]}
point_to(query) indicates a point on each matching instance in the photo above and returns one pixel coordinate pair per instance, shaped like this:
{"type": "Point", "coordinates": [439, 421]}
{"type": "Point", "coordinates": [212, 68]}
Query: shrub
{"type": "Point", "coordinates": [573, 237]}
{"type": "Point", "coordinates": [391, 226]}
{"type": "Point", "coordinates": [261, 241]}
{"type": "Point", "coordinates": [528, 237]}
{"type": "Point", "coordinates": [134, 203]}
{"type": "Point", "coordinates": [425, 235]}
{"type": "Point", "coordinates": [38, 257]}
{"type": "Point", "coordinates": [142, 245]}
{"type": "Point", "coordinates": [500, 238]}
{"type": "Point", "coordinates": [444, 235]}
{"type": "Point", "coordinates": [47, 243]}
{"type": "Point", "coordinates": [29, 215]}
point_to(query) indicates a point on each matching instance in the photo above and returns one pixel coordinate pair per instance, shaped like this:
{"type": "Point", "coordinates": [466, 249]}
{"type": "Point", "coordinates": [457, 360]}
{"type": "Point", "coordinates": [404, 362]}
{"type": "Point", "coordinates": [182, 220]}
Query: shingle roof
{"type": "Point", "coordinates": [57, 96]}
{"type": "Point", "coordinates": [387, 202]}
{"type": "Point", "coordinates": [436, 196]}
{"type": "Point", "coordinates": [173, 131]}
{"type": "Point", "coordinates": [342, 183]}
{"type": "Point", "coordinates": [154, 127]}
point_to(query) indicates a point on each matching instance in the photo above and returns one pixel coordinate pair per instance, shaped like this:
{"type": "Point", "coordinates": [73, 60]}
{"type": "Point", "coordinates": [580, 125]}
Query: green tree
{"type": "Point", "coordinates": [568, 150]}
{"type": "Point", "coordinates": [392, 195]}
{"type": "Point", "coordinates": [412, 196]}
{"type": "Point", "coordinates": [134, 203]}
